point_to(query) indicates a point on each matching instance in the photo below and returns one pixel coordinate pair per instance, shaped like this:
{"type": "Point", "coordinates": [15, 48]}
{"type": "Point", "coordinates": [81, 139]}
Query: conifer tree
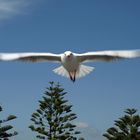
{"type": "Point", "coordinates": [54, 118]}
{"type": "Point", "coordinates": [4, 130]}
{"type": "Point", "coordinates": [127, 127]}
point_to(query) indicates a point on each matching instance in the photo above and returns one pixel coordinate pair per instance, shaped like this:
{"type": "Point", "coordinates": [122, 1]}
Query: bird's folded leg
{"type": "Point", "coordinates": [72, 75]}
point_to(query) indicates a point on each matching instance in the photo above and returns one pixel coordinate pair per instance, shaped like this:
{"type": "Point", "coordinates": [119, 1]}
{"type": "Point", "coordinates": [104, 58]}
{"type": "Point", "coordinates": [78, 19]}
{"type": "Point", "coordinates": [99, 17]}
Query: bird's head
{"type": "Point", "coordinates": [68, 54]}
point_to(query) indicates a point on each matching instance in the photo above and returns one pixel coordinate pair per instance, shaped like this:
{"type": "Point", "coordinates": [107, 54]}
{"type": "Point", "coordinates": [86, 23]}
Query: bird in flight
{"type": "Point", "coordinates": [72, 63]}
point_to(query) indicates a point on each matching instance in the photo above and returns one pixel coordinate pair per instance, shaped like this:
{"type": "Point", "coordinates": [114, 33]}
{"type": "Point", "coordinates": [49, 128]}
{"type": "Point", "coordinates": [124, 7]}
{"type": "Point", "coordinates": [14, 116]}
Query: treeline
{"type": "Point", "coordinates": [54, 120]}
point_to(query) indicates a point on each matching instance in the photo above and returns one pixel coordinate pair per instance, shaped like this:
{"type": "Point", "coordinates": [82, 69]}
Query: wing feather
{"type": "Point", "coordinates": [108, 55]}
{"type": "Point", "coordinates": [33, 57]}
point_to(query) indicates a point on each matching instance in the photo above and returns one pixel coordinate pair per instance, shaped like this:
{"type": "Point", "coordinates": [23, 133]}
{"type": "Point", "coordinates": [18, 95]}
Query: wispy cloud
{"type": "Point", "coordinates": [88, 131]}
{"type": "Point", "coordinates": [11, 8]}
{"type": "Point", "coordinates": [81, 125]}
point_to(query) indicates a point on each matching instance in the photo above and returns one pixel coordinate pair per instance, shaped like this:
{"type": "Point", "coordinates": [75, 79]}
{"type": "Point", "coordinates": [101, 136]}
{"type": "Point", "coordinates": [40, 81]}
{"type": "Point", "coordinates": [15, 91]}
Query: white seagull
{"type": "Point", "coordinates": [71, 66]}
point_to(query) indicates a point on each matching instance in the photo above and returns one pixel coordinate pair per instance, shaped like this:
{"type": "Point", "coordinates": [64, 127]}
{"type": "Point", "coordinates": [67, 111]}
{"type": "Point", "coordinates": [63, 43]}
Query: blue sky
{"type": "Point", "coordinates": [80, 26]}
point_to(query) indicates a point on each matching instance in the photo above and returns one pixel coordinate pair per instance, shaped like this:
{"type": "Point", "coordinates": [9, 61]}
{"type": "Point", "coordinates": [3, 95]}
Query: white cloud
{"type": "Point", "coordinates": [82, 125]}
{"type": "Point", "coordinates": [88, 131]}
{"type": "Point", "coordinates": [11, 8]}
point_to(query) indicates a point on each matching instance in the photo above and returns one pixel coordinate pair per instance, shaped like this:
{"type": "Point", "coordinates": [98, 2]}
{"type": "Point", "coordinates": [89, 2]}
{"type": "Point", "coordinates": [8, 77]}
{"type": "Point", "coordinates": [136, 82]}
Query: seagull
{"type": "Point", "coordinates": [72, 63]}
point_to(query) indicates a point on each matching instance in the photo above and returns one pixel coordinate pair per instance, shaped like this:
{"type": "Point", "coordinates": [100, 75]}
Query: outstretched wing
{"type": "Point", "coordinates": [33, 57]}
{"type": "Point", "coordinates": [108, 55]}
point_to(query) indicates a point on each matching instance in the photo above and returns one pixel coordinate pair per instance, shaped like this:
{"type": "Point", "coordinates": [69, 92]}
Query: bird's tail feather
{"type": "Point", "coordinates": [82, 71]}
{"type": "Point", "coordinates": [61, 71]}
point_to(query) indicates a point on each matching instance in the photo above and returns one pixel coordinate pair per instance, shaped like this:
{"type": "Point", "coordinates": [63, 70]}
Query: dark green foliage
{"type": "Point", "coordinates": [53, 119]}
{"type": "Point", "coordinates": [4, 134]}
{"type": "Point", "coordinates": [127, 127]}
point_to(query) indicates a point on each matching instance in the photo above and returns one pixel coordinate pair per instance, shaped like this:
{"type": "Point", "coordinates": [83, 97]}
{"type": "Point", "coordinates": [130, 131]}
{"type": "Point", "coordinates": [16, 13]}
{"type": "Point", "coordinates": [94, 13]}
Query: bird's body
{"type": "Point", "coordinates": [71, 62]}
